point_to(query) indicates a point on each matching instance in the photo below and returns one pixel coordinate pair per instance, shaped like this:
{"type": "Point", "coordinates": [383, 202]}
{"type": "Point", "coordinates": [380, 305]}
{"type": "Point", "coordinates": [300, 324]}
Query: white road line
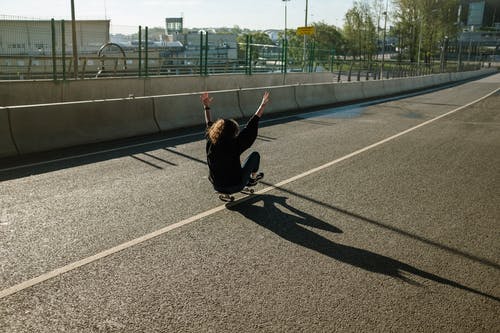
{"type": "Point", "coordinates": [59, 271]}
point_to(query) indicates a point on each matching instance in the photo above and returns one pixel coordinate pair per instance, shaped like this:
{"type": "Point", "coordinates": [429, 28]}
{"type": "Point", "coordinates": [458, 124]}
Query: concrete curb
{"type": "Point", "coordinates": [44, 127]}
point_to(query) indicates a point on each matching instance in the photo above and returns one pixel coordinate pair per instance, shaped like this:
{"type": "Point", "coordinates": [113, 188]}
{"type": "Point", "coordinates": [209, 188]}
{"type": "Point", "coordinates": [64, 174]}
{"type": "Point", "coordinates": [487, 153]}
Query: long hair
{"type": "Point", "coordinates": [223, 129]}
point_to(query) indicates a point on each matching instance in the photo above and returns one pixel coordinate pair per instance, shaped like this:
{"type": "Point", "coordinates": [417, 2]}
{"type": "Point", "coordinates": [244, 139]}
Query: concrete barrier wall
{"type": "Point", "coordinates": [29, 92]}
{"type": "Point", "coordinates": [441, 78]}
{"type": "Point", "coordinates": [51, 126]}
{"type": "Point", "coordinates": [372, 89]}
{"type": "Point", "coordinates": [349, 91]}
{"type": "Point", "coordinates": [305, 78]}
{"type": "Point", "coordinates": [173, 85]}
{"type": "Point", "coordinates": [282, 99]}
{"type": "Point", "coordinates": [7, 147]}
{"type": "Point", "coordinates": [391, 87]}
{"type": "Point", "coordinates": [418, 82]}
{"type": "Point", "coordinates": [108, 88]}
{"type": "Point", "coordinates": [240, 81]}
{"type": "Point", "coordinates": [315, 94]}
{"type": "Point", "coordinates": [428, 81]}
{"type": "Point", "coordinates": [46, 91]}
{"type": "Point", "coordinates": [454, 77]}
{"type": "Point", "coordinates": [184, 110]}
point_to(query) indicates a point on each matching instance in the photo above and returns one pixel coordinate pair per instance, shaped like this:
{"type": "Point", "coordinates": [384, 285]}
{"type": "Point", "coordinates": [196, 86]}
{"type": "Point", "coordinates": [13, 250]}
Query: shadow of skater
{"type": "Point", "coordinates": [290, 227]}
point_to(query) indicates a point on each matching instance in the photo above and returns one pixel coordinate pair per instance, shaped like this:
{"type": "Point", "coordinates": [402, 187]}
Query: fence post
{"type": "Point", "coordinates": [312, 56]}
{"type": "Point", "coordinates": [146, 51]}
{"type": "Point", "coordinates": [350, 71]}
{"type": "Point", "coordinates": [250, 58]}
{"type": "Point", "coordinates": [247, 45]}
{"type": "Point", "coordinates": [206, 53]}
{"type": "Point", "coordinates": [285, 54]}
{"type": "Point", "coordinates": [331, 60]}
{"type": "Point", "coordinates": [459, 62]}
{"type": "Point", "coordinates": [54, 64]}
{"type": "Point", "coordinates": [201, 53]}
{"type": "Point", "coordinates": [63, 49]}
{"type": "Point", "coordinates": [140, 51]}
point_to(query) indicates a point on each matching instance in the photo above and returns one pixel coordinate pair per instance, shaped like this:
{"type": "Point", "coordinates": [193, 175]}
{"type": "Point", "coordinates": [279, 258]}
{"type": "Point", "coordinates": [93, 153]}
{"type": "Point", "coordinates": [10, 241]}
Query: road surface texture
{"type": "Point", "coordinates": [379, 217]}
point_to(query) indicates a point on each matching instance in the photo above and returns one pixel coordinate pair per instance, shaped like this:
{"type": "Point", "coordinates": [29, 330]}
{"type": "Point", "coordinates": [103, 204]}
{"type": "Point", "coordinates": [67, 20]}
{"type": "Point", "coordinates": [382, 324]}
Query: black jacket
{"type": "Point", "coordinates": [224, 157]}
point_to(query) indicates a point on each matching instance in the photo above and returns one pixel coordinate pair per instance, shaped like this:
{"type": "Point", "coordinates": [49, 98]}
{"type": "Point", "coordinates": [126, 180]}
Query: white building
{"type": "Point", "coordinates": [34, 37]}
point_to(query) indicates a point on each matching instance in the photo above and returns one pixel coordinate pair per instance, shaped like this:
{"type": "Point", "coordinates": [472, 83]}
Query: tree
{"type": "Point", "coordinates": [424, 25]}
{"type": "Point", "coordinates": [328, 38]}
{"type": "Point", "coordinates": [359, 31]}
{"type": "Point", "coordinates": [259, 39]}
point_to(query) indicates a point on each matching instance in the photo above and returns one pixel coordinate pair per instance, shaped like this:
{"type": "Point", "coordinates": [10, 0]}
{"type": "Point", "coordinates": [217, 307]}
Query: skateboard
{"type": "Point", "coordinates": [229, 197]}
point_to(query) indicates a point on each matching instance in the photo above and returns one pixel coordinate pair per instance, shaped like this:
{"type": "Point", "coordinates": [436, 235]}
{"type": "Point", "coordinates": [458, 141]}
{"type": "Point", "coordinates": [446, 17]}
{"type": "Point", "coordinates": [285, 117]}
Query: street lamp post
{"type": "Point", "coordinates": [285, 1]}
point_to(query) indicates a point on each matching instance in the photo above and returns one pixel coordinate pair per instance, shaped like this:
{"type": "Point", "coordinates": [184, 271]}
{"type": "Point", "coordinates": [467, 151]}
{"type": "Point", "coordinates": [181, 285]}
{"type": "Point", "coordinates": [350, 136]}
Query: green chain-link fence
{"type": "Point", "coordinates": [43, 49]}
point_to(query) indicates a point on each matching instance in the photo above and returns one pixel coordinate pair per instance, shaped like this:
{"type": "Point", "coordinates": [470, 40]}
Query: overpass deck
{"type": "Point", "coordinates": [378, 217]}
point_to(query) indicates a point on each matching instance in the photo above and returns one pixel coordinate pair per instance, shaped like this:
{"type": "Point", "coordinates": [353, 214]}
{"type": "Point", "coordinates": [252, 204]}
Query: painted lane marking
{"type": "Point", "coordinates": [64, 269]}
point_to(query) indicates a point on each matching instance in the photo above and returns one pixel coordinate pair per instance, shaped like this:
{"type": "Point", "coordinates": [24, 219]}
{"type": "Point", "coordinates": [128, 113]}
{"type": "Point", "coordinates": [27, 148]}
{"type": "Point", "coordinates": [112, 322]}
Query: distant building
{"type": "Point", "coordinates": [173, 27]}
{"type": "Point", "coordinates": [480, 22]}
{"type": "Point", "coordinates": [476, 14]}
{"type": "Point", "coordinates": [33, 37]}
{"type": "Point", "coordinates": [220, 46]}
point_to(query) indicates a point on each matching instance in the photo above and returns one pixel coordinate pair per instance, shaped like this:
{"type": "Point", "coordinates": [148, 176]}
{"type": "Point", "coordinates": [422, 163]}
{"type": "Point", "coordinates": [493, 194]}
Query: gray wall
{"type": "Point", "coordinates": [42, 127]}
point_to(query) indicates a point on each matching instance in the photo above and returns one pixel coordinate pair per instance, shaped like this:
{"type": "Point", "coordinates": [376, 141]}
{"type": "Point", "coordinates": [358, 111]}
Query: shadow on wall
{"type": "Point", "coordinates": [290, 227]}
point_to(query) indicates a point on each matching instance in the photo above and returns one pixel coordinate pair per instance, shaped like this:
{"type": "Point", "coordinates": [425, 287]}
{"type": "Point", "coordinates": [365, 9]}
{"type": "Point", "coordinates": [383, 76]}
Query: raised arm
{"type": "Point", "coordinates": [263, 103]}
{"type": "Point", "coordinates": [206, 101]}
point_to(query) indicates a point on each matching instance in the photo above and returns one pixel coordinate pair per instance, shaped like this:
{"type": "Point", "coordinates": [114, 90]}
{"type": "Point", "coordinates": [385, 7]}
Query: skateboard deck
{"type": "Point", "coordinates": [229, 197]}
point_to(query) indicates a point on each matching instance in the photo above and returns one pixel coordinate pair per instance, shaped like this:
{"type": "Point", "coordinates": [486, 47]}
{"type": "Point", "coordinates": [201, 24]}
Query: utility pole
{"type": "Point", "coordinates": [285, 42]}
{"type": "Point", "coordinates": [75, 51]}
{"type": "Point", "coordinates": [285, 1]}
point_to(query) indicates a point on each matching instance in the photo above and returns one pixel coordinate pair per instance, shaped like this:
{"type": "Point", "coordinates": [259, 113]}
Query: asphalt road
{"type": "Point", "coordinates": [380, 217]}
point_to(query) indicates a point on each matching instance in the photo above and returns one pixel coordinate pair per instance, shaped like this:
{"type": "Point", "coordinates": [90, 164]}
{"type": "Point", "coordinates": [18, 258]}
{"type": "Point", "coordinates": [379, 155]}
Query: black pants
{"type": "Point", "coordinates": [250, 165]}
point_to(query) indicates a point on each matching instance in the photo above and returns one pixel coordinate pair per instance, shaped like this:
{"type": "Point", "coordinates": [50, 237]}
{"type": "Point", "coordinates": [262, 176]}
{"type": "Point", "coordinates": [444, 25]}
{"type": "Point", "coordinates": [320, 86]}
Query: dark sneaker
{"type": "Point", "coordinates": [255, 181]}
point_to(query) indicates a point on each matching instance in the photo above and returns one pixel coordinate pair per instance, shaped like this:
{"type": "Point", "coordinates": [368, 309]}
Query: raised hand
{"type": "Point", "coordinates": [206, 100]}
{"type": "Point", "coordinates": [265, 98]}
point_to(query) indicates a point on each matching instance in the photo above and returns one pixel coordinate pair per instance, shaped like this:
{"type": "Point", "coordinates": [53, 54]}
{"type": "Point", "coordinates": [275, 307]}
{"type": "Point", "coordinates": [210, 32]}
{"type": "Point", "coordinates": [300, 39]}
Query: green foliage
{"type": "Point", "coordinates": [423, 25]}
{"type": "Point", "coordinates": [327, 40]}
{"type": "Point", "coordinates": [360, 32]}
{"type": "Point", "coordinates": [328, 37]}
{"type": "Point", "coordinates": [259, 39]}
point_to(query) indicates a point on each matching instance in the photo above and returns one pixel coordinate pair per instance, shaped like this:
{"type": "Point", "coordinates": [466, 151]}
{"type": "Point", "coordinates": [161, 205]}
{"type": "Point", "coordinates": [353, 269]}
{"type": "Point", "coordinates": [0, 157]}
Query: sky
{"type": "Point", "coordinates": [252, 14]}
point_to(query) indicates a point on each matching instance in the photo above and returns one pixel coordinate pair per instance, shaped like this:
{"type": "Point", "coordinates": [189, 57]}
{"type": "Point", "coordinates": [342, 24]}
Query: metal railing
{"type": "Point", "coordinates": [57, 68]}
{"type": "Point", "coordinates": [53, 59]}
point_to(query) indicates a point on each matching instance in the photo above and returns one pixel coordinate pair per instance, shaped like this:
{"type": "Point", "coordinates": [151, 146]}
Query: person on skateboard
{"type": "Point", "coordinates": [225, 143]}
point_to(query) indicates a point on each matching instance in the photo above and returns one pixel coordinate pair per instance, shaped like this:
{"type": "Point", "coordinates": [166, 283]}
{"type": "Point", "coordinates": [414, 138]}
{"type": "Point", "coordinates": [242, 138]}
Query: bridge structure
{"type": "Point", "coordinates": [378, 211]}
